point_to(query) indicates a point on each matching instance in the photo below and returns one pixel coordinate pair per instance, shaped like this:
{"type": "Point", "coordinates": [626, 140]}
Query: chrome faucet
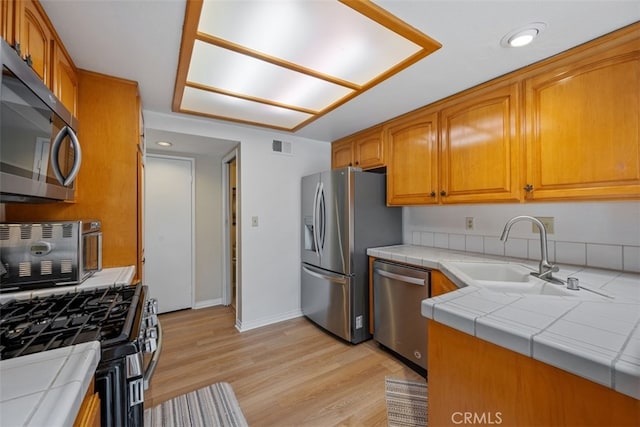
{"type": "Point", "coordinates": [545, 268]}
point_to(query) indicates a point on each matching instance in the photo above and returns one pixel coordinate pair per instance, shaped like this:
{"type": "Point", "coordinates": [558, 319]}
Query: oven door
{"type": "Point", "coordinates": [91, 261]}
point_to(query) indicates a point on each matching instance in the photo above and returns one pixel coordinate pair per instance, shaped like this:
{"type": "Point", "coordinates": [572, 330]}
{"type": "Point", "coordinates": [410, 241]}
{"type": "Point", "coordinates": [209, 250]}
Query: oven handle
{"type": "Point", "coordinates": [148, 373]}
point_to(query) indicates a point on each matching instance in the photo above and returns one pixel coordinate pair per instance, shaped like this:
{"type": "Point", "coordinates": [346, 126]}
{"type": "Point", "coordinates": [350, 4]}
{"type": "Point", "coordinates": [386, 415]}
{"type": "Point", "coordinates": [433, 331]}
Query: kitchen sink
{"type": "Point", "coordinates": [505, 277]}
{"type": "Point", "coordinates": [494, 272]}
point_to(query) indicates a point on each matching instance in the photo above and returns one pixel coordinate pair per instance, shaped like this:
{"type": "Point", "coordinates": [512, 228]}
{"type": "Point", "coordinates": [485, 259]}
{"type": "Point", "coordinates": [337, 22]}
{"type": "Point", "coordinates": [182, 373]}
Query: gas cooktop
{"type": "Point", "coordinates": [50, 322]}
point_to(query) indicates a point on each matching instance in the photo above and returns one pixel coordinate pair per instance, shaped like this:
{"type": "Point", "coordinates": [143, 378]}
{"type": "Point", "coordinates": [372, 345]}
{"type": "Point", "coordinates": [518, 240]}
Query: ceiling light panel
{"type": "Point", "coordinates": [246, 76]}
{"type": "Point", "coordinates": [284, 63]}
{"type": "Point", "coordinates": [228, 107]}
{"type": "Point", "coordinates": [326, 36]}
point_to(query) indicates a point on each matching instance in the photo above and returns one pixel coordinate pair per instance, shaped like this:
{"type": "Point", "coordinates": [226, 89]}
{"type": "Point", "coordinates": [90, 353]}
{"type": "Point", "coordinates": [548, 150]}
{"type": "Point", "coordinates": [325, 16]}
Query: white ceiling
{"type": "Point", "coordinates": [140, 40]}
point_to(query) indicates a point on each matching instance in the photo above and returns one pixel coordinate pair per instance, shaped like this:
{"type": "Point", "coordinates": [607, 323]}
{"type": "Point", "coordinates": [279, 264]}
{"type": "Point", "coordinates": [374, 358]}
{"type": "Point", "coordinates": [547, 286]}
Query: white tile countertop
{"type": "Point", "coordinates": [594, 337]}
{"type": "Point", "coordinates": [106, 277]}
{"type": "Point", "coordinates": [46, 389]}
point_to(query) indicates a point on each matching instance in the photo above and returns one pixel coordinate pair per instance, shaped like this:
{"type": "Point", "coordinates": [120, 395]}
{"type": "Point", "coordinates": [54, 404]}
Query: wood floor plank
{"type": "Point", "coordinates": [288, 374]}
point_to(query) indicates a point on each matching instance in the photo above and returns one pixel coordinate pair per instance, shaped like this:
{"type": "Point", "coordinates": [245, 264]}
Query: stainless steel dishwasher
{"type": "Point", "coordinates": [398, 325]}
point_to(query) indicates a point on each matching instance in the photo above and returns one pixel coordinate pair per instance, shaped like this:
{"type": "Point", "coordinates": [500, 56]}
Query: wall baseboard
{"type": "Point", "coordinates": [207, 303]}
{"type": "Point", "coordinates": [269, 320]}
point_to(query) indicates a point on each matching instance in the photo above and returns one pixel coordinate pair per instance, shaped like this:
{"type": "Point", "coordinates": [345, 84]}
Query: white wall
{"type": "Point", "coordinates": [269, 188]}
{"type": "Point", "coordinates": [598, 234]}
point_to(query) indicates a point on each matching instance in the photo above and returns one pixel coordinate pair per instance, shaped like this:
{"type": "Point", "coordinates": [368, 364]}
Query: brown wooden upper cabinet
{"type": "Point", "coordinates": [480, 147]}
{"type": "Point", "coordinates": [582, 124]}
{"type": "Point", "coordinates": [35, 39]}
{"type": "Point", "coordinates": [364, 150]}
{"type": "Point", "coordinates": [412, 159]}
{"type": "Point", "coordinates": [563, 129]}
{"type": "Point", "coordinates": [65, 80]}
{"type": "Point", "coordinates": [9, 28]}
{"type": "Point", "coordinates": [476, 159]}
{"type": "Point", "coordinates": [25, 26]}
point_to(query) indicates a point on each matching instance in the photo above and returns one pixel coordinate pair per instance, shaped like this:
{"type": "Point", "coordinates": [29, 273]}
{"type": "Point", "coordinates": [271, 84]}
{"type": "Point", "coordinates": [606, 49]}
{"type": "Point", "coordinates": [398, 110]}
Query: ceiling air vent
{"type": "Point", "coordinates": [282, 147]}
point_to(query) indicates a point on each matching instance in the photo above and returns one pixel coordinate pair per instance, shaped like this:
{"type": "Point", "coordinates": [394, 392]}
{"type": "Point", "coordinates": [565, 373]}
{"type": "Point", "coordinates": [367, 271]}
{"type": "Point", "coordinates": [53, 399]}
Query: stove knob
{"type": "Point", "coordinates": [150, 345]}
{"type": "Point", "coordinates": [151, 333]}
{"type": "Point", "coordinates": [150, 320]}
{"type": "Point", "coordinates": [152, 306]}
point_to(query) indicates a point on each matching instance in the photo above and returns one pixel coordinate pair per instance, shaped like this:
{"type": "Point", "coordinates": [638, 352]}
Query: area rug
{"type": "Point", "coordinates": [406, 403]}
{"type": "Point", "coordinates": [212, 406]}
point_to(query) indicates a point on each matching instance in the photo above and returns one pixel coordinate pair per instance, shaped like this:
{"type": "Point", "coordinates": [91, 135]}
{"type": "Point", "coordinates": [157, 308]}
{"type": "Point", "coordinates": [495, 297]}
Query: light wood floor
{"type": "Point", "coordinates": [288, 374]}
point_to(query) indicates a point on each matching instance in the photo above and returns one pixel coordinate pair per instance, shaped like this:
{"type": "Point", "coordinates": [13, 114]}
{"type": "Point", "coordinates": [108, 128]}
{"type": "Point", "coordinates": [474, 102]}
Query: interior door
{"type": "Point", "coordinates": [169, 231]}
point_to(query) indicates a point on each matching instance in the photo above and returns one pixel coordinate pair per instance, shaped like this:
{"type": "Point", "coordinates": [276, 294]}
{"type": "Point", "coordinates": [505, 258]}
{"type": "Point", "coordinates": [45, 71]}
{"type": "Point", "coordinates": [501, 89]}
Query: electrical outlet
{"type": "Point", "coordinates": [468, 223]}
{"type": "Point", "coordinates": [548, 222]}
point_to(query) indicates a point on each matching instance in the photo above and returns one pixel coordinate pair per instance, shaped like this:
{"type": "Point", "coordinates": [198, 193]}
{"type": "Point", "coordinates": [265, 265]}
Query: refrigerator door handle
{"type": "Point", "coordinates": [402, 278]}
{"type": "Point", "coordinates": [323, 218]}
{"type": "Point", "coordinates": [314, 220]}
{"type": "Point", "coordinates": [331, 278]}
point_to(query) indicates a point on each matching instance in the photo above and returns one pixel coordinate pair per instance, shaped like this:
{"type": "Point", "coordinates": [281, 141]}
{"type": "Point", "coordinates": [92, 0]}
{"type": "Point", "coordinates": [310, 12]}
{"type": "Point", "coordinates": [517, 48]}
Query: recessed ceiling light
{"type": "Point", "coordinates": [523, 36]}
{"type": "Point", "coordinates": [164, 143]}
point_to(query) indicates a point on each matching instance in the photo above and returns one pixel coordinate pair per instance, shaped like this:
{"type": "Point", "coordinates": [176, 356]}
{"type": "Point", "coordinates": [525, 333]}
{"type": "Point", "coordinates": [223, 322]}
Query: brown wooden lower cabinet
{"type": "Point", "coordinates": [89, 413]}
{"type": "Point", "coordinates": [474, 382]}
{"type": "Point", "coordinates": [440, 284]}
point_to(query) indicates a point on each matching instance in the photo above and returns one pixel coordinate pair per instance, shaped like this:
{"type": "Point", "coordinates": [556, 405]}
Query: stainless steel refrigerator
{"type": "Point", "coordinates": [344, 212]}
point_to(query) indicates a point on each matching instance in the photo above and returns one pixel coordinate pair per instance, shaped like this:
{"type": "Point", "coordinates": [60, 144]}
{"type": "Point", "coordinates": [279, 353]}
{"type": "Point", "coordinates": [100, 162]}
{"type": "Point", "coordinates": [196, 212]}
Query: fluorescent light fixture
{"type": "Point", "coordinates": [164, 143]}
{"type": "Point", "coordinates": [283, 64]}
{"type": "Point", "coordinates": [523, 36]}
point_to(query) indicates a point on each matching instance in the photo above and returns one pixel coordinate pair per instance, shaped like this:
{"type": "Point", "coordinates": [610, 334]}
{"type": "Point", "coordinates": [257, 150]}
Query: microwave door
{"type": "Point", "coordinates": [65, 163]}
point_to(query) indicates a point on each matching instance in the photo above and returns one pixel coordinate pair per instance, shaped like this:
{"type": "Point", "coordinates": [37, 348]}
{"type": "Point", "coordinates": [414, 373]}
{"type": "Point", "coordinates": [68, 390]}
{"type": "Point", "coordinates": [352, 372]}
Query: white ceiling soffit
{"type": "Point", "coordinates": [283, 64]}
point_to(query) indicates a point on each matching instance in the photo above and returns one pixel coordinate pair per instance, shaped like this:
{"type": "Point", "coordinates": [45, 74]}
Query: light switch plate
{"type": "Point", "coordinates": [254, 221]}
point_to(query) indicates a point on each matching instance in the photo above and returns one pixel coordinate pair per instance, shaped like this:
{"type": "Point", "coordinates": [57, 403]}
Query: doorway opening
{"type": "Point", "coordinates": [231, 294]}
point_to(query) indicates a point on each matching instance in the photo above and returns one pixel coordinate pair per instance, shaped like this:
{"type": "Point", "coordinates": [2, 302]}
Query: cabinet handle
{"type": "Point", "coordinates": [357, 163]}
{"type": "Point", "coordinates": [443, 193]}
{"type": "Point", "coordinates": [16, 47]}
{"type": "Point", "coordinates": [528, 188]}
{"type": "Point", "coordinates": [28, 60]}
{"type": "Point", "coordinates": [433, 194]}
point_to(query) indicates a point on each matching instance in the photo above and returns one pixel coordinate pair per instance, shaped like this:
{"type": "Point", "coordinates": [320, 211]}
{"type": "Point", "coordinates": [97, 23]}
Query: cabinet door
{"type": "Point", "coordinates": [36, 41]}
{"type": "Point", "coordinates": [368, 149]}
{"type": "Point", "coordinates": [342, 154]}
{"type": "Point", "coordinates": [65, 82]}
{"type": "Point", "coordinates": [412, 160]}
{"type": "Point", "coordinates": [583, 126]}
{"type": "Point", "coordinates": [10, 15]}
{"type": "Point", "coordinates": [440, 284]}
{"type": "Point", "coordinates": [480, 154]}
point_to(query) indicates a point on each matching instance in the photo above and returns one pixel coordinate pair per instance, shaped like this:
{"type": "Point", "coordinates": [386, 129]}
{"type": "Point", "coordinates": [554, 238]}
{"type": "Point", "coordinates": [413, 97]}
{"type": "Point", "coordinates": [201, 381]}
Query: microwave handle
{"type": "Point", "coordinates": [55, 150]}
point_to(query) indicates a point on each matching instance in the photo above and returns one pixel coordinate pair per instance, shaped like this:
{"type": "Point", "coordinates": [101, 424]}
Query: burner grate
{"type": "Point", "coordinates": [39, 324]}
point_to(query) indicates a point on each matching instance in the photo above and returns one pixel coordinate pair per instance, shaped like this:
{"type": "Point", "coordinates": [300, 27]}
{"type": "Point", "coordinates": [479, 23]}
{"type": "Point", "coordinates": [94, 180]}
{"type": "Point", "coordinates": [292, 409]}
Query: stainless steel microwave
{"type": "Point", "coordinates": [46, 254]}
{"type": "Point", "coordinates": [40, 155]}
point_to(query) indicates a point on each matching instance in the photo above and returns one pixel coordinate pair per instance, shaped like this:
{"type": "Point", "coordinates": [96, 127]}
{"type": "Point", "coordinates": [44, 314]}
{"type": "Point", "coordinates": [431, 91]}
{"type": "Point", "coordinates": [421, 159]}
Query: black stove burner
{"type": "Point", "coordinates": [46, 323]}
